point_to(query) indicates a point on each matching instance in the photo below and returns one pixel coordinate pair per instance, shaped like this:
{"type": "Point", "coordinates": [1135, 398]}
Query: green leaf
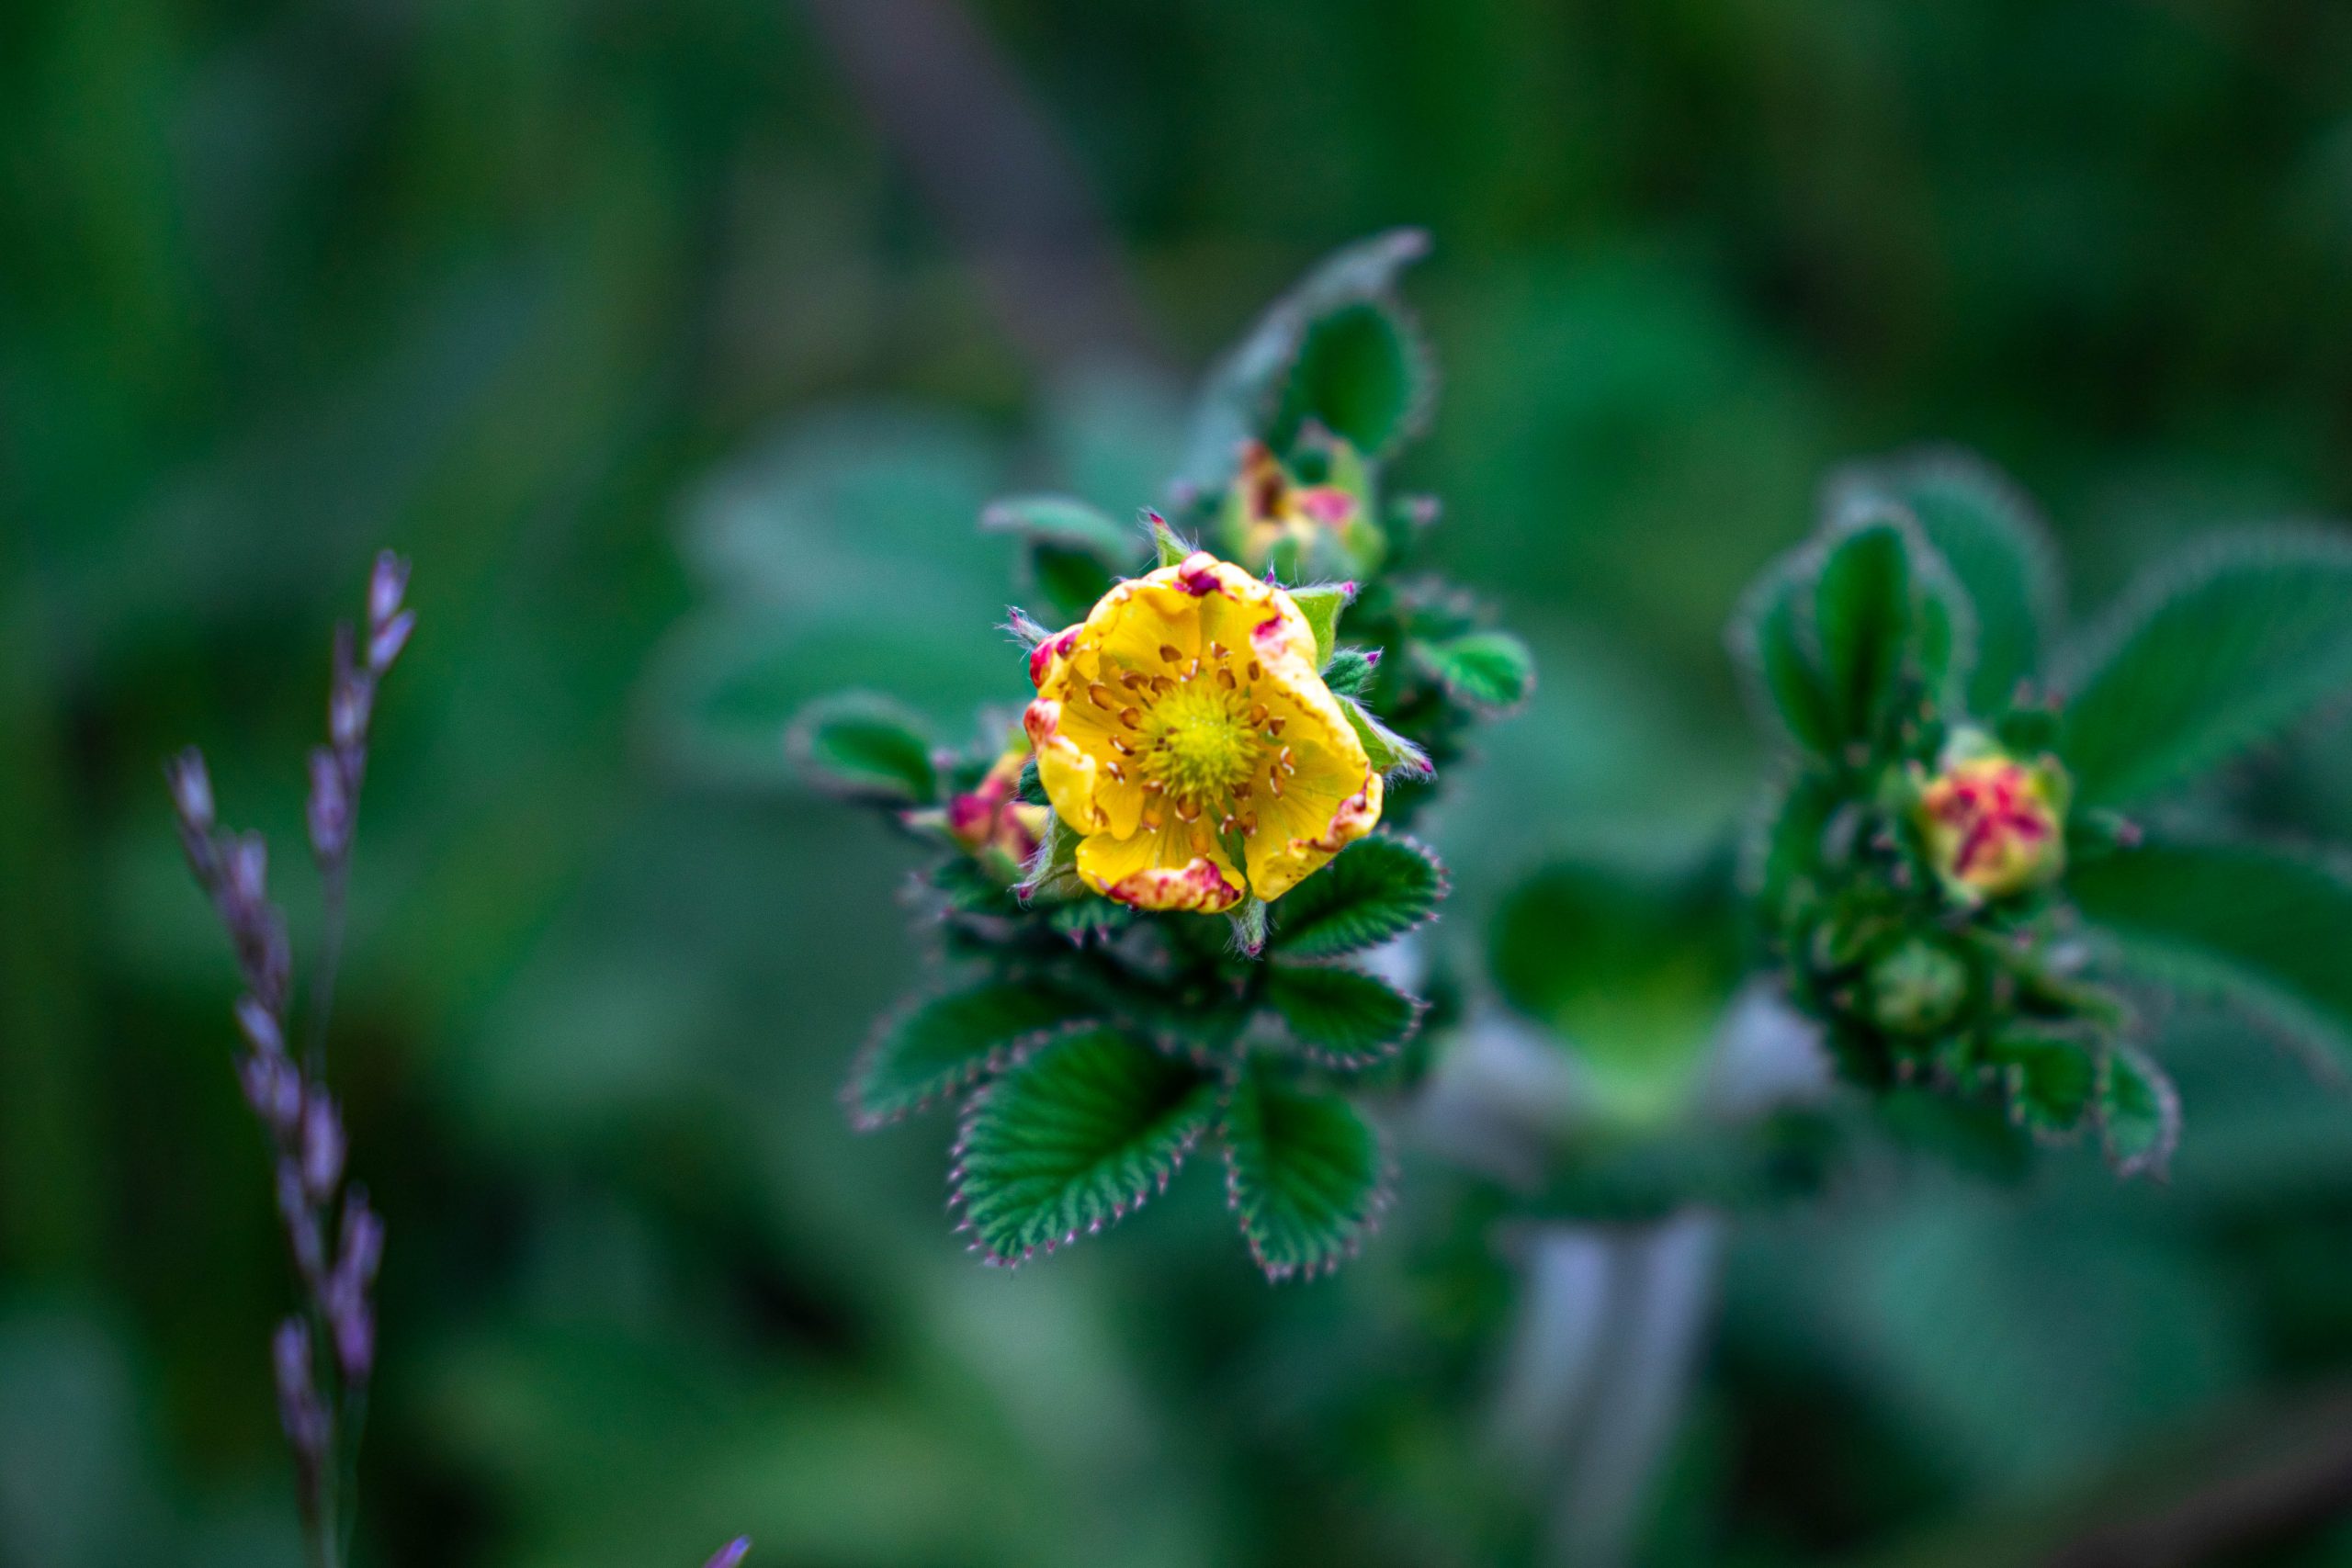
{"type": "Point", "coordinates": [2139, 1113]}
{"type": "Point", "coordinates": [2206, 658]}
{"type": "Point", "coordinates": [1321, 603]}
{"type": "Point", "coordinates": [1862, 624]}
{"type": "Point", "coordinates": [864, 746]}
{"type": "Point", "coordinates": [2049, 1079]}
{"type": "Point", "coordinates": [1991, 537]}
{"type": "Point", "coordinates": [1389, 752]}
{"type": "Point", "coordinates": [1364, 373]}
{"type": "Point", "coordinates": [1340, 1017]}
{"type": "Point", "coordinates": [942, 1044]}
{"type": "Point", "coordinates": [1052, 871]}
{"type": "Point", "coordinates": [1350, 670]}
{"type": "Point", "coordinates": [1767, 639]}
{"type": "Point", "coordinates": [1243, 397]}
{"type": "Point", "coordinates": [1062, 521]}
{"type": "Point", "coordinates": [1068, 584]}
{"type": "Point", "coordinates": [1631, 964]}
{"type": "Point", "coordinates": [1305, 1175]}
{"type": "Point", "coordinates": [1067, 1143]}
{"type": "Point", "coordinates": [1374, 891]}
{"type": "Point", "coordinates": [1492, 670]}
{"type": "Point", "coordinates": [2258, 929]}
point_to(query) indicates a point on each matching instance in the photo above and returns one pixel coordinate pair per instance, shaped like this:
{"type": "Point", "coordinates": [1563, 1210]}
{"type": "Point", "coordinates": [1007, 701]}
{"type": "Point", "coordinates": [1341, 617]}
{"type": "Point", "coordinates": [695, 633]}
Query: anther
{"type": "Point", "coordinates": [1099, 696]}
{"type": "Point", "coordinates": [1257, 715]}
{"type": "Point", "coordinates": [1255, 673]}
{"type": "Point", "coordinates": [1275, 724]}
{"type": "Point", "coordinates": [1225, 678]}
{"type": "Point", "coordinates": [1188, 810]}
{"type": "Point", "coordinates": [1216, 652]}
{"type": "Point", "coordinates": [1121, 747]}
{"type": "Point", "coordinates": [1168, 654]}
{"type": "Point", "coordinates": [1131, 717]}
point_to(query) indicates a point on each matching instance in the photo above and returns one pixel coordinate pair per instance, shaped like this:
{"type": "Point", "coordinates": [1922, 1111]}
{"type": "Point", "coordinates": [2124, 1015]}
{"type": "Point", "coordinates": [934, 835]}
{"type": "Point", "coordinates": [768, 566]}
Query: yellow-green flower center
{"type": "Point", "coordinates": [1201, 740]}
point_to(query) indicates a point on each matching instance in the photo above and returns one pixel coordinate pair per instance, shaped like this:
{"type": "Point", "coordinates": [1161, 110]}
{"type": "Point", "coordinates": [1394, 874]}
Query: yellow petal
{"type": "Point", "coordinates": [1298, 835]}
{"type": "Point", "coordinates": [1160, 869]}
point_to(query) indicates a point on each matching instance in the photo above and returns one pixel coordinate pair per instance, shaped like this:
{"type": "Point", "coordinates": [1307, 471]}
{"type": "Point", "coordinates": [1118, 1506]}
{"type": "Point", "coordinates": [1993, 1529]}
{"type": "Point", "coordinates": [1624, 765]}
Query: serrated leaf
{"type": "Point", "coordinates": [1304, 1174]}
{"type": "Point", "coordinates": [1350, 670]}
{"type": "Point", "coordinates": [1341, 1018]}
{"type": "Point", "coordinates": [2205, 658]}
{"type": "Point", "coordinates": [1767, 640]}
{"type": "Point", "coordinates": [1993, 539]}
{"type": "Point", "coordinates": [2139, 1113]}
{"type": "Point", "coordinates": [1389, 752]}
{"type": "Point", "coordinates": [1364, 373]}
{"type": "Point", "coordinates": [1085, 1130]}
{"type": "Point", "coordinates": [1781, 860]}
{"type": "Point", "coordinates": [2260, 929]}
{"type": "Point", "coordinates": [1374, 891]}
{"type": "Point", "coordinates": [864, 746]}
{"type": "Point", "coordinates": [1492, 670]}
{"type": "Point", "coordinates": [1321, 603]}
{"type": "Point", "coordinates": [942, 1044]}
{"type": "Point", "coordinates": [2048, 1080]}
{"type": "Point", "coordinates": [1862, 623]}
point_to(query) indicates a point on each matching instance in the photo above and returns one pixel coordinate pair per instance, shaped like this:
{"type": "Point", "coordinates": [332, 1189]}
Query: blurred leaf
{"type": "Point", "coordinates": [1060, 520]}
{"type": "Point", "coordinates": [1068, 582]}
{"type": "Point", "coordinates": [74, 1487]}
{"type": "Point", "coordinates": [2264, 930]}
{"type": "Point", "coordinates": [2209, 655]}
{"type": "Point", "coordinates": [1863, 623]}
{"type": "Point", "coordinates": [1768, 642]}
{"type": "Point", "coordinates": [942, 1044]}
{"type": "Point", "coordinates": [1242, 396]}
{"type": "Point", "coordinates": [1364, 374]}
{"type": "Point", "coordinates": [1374, 891]}
{"type": "Point", "coordinates": [2049, 1080]}
{"type": "Point", "coordinates": [1631, 965]}
{"type": "Point", "coordinates": [1305, 1175]}
{"type": "Point", "coordinates": [1073, 1139]}
{"type": "Point", "coordinates": [1342, 1019]}
{"type": "Point", "coordinates": [1989, 533]}
{"type": "Point", "coordinates": [866, 747]}
{"type": "Point", "coordinates": [1492, 670]}
{"type": "Point", "coordinates": [2139, 1113]}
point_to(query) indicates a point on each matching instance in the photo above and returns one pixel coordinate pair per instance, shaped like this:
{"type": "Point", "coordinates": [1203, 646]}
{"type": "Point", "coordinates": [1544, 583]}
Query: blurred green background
{"type": "Point", "coordinates": [679, 345]}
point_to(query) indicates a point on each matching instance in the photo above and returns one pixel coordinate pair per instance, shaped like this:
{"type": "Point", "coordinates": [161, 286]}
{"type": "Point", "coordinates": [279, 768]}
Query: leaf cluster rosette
{"type": "Point", "coordinates": [1986, 845]}
{"type": "Point", "coordinates": [1158, 898]}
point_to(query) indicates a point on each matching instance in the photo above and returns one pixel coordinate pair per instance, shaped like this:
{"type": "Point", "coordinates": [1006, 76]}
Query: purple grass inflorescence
{"type": "Point", "coordinates": [323, 1355]}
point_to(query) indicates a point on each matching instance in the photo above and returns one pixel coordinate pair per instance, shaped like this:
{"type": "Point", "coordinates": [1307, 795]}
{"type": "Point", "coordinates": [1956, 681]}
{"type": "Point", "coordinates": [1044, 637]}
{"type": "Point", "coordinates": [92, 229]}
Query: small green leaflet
{"type": "Point", "coordinates": [2048, 1080]}
{"type": "Point", "coordinates": [1492, 670]}
{"type": "Point", "coordinates": [2139, 1113]}
{"type": "Point", "coordinates": [1084, 1131]}
{"type": "Point", "coordinates": [1321, 603]}
{"type": "Point", "coordinates": [1388, 752]}
{"type": "Point", "coordinates": [1305, 1175]}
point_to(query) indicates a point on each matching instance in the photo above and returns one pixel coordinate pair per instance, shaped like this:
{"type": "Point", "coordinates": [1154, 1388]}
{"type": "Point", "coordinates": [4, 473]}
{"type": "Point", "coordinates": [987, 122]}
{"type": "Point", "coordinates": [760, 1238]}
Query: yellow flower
{"type": "Point", "coordinates": [1182, 729]}
{"type": "Point", "coordinates": [1269, 516]}
{"type": "Point", "coordinates": [1994, 826]}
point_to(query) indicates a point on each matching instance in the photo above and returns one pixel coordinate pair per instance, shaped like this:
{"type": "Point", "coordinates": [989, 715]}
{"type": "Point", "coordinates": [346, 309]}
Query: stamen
{"type": "Point", "coordinates": [1135, 681]}
{"type": "Point", "coordinates": [1274, 782]}
{"type": "Point", "coordinates": [1216, 652]}
{"type": "Point", "coordinates": [1153, 786]}
{"type": "Point", "coordinates": [1168, 654]}
{"type": "Point", "coordinates": [1275, 724]}
{"type": "Point", "coordinates": [1257, 715]}
{"type": "Point", "coordinates": [1249, 824]}
{"type": "Point", "coordinates": [1116, 771]}
{"type": "Point", "coordinates": [1162, 685]}
{"type": "Point", "coordinates": [1121, 747]}
{"type": "Point", "coordinates": [1131, 717]}
{"type": "Point", "coordinates": [1287, 765]}
{"type": "Point", "coordinates": [1241, 790]}
{"type": "Point", "coordinates": [1225, 678]}
{"type": "Point", "coordinates": [1188, 810]}
{"type": "Point", "coordinates": [1256, 672]}
{"type": "Point", "coordinates": [1099, 696]}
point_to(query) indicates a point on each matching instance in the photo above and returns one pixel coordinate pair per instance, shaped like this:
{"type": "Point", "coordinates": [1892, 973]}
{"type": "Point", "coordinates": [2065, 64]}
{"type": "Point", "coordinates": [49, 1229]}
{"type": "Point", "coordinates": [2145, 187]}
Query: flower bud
{"type": "Point", "coordinates": [323, 1146]}
{"type": "Point", "coordinates": [1272, 520]}
{"type": "Point", "coordinates": [1992, 824]}
{"type": "Point", "coordinates": [386, 584]}
{"type": "Point", "coordinates": [1916, 987]}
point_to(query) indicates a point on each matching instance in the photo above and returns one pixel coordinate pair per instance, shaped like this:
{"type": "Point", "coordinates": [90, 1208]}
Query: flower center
{"type": "Point", "coordinates": [1202, 741]}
